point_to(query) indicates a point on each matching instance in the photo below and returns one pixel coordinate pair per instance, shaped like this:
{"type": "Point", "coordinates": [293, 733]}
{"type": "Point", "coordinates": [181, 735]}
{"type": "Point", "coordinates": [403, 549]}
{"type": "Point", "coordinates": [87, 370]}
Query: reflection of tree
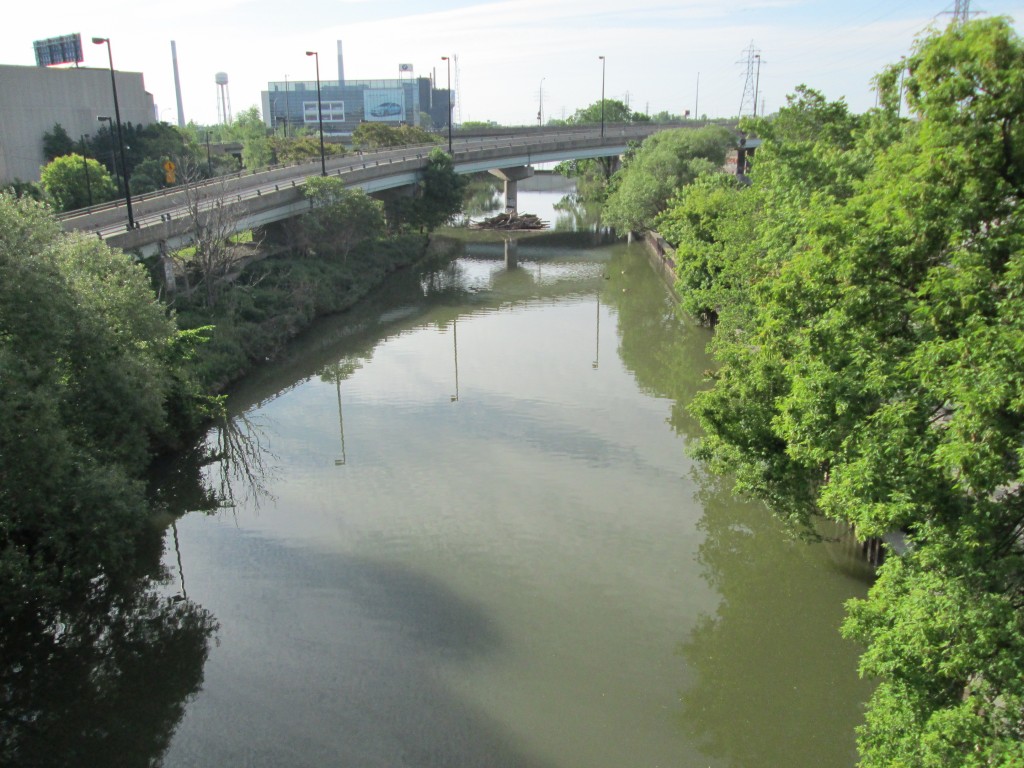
{"type": "Point", "coordinates": [576, 214]}
{"type": "Point", "coordinates": [774, 684]}
{"type": "Point", "coordinates": [103, 683]}
{"type": "Point", "coordinates": [230, 467]}
{"type": "Point", "coordinates": [665, 351]}
{"type": "Point", "coordinates": [240, 458]}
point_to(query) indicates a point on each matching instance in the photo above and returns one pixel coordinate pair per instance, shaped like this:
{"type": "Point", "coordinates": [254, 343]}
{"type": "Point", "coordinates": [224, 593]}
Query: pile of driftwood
{"type": "Point", "coordinates": [511, 221]}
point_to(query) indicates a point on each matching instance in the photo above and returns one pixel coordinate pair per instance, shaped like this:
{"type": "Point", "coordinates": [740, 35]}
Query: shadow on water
{"type": "Point", "coordinates": [356, 647]}
{"type": "Point", "coordinates": [104, 682]}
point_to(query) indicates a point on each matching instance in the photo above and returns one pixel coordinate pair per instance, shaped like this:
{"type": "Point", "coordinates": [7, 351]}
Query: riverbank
{"type": "Point", "coordinates": [277, 296]}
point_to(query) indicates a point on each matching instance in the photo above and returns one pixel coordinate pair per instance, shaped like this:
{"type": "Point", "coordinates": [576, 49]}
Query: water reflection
{"type": "Point", "coordinates": [103, 682]}
{"type": "Point", "coordinates": [773, 682]}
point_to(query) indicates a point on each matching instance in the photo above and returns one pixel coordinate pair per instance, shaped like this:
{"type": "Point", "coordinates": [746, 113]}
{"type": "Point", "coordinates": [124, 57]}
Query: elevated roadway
{"type": "Point", "coordinates": [263, 197]}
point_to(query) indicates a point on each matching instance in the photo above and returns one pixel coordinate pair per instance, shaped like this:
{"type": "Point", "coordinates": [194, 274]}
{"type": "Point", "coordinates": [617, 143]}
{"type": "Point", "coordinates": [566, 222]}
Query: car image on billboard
{"type": "Point", "coordinates": [387, 109]}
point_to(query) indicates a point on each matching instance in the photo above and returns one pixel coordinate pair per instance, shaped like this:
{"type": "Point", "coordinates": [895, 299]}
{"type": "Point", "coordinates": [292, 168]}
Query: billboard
{"type": "Point", "coordinates": [66, 49]}
{"type": "Point", "coordinates": [334, 112]}
{"type": "Point", "coordinates": [405, 67]}
{"type": "Point", "coordinates": [384, 105]}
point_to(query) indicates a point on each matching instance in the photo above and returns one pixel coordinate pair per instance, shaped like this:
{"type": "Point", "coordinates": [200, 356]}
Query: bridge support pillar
{"type": "Point", "coordinates": [511, 176]}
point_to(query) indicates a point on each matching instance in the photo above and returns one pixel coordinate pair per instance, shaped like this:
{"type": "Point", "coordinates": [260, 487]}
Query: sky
{"type": "Point", "coordinates": [669, 55]}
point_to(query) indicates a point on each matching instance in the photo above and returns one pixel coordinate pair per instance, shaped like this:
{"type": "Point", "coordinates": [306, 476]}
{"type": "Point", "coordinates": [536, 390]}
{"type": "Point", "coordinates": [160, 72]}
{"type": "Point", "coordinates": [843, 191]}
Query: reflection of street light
{"type": "Point", "coordinates": [597, 335]}
{"type": "Point", "coordinates": [120, 139]}
{"type": "Point", "coordinates": [113, 158]}
{"type": "Point", "coordinates": [446, 59]}
{"type": "Point", "coordinates": [455, 344]}
{"type": "Point", "coordinates": [341, 424]}
{"type": "Point", "coordinates": [319, 112]}
{"type": "Point", "coordinates": [602, 95]}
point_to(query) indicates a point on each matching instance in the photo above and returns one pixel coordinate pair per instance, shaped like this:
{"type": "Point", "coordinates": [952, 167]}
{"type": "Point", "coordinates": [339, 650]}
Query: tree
{"type": "Point", "coordinates": [381, 135]}
{"type": "Point", "coordinates": [439, 193]}
{"type": "Point", "coordinates": [876, 375]}
{"type": "Point", "coordinates": [665, 162]}
{"type": "Point", "coordinates": [57, 143]}
{"type": "Point", "coordinates": [614, 112]}
{"type": "Point", "coordinates": [89, 366]}
{"type": "Point", "coordinates": [301, 149]}
{"type": "Point", "coordinates": [73, 181]}
{"type": "Point", "coordinates": [341, 218]}
{"type": "Point", "coordinates": [213, 221]}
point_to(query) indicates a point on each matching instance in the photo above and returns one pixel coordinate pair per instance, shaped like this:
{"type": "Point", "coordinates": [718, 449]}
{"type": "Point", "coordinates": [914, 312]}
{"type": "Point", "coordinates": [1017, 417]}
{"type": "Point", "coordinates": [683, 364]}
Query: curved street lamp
{"type": "Point", "coordinates": [120, 138]}
{"type": "Point", "coordinates": [319, 112]}
{"type": "Point", "coordinates": [602, 95]}
{"type": "Point", "coordinates": [449, 62]}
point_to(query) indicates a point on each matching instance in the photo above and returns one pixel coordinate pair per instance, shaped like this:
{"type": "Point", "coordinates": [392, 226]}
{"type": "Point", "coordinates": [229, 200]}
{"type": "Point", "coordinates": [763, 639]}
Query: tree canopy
{"type": "Point", "coordinates": [664, 162]}
{"type": "Point", "coordinates": [86, 353]}
{"type": "Point", "coordinates": [868, 290]}
{"type": "Point", "coordinates": [73, 181]}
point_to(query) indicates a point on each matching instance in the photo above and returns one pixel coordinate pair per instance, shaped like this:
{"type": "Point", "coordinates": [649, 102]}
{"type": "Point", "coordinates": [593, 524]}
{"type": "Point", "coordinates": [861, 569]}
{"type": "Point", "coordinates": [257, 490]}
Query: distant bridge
{"type": "Point", "coordinates": [264, 197]}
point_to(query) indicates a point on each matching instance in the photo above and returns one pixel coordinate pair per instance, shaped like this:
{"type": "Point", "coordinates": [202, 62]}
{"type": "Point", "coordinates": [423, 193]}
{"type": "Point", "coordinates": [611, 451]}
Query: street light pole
{"type": "Point", "coordinates": [120, 138]}
{"type": "Point", "coordinates": [540, 105]}
{"type": "Point", "coordinates": [449, 62]}
{"type": "Point", "coordinates": [602, 94]}
{"type": "Point", "coordinates": [113, 158]}
{"type": "Point", "coordinates": [287, 112]}
{"type": "Point", "coordinates": [85, 168]}
{"type": "Point", "coordinates": [319, 112]}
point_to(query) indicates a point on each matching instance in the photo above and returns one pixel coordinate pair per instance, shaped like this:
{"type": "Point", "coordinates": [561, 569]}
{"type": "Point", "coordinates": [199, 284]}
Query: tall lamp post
{"type": "Point", "coordinates": [120, 138]}
{"type": "Point", "coordinates": [449, 62]}
{"type": "Point", "coordinates": [319, 112]}
{"type": "Point", "coordinates": [602, 95]}
{"type": "Point", "coordinates": [540, 104]}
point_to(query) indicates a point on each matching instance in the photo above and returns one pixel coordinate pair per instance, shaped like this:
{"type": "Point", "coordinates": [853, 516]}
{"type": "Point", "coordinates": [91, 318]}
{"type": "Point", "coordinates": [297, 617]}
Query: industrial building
{"type": "Point", "coordinates": [36, 98]}
{"type": "Point", "coordinates": [345, 103]}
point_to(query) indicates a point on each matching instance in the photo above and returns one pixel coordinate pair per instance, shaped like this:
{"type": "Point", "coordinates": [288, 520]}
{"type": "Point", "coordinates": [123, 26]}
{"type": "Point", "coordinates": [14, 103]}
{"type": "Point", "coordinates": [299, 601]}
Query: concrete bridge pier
{"type": "Point", "coordinates": [275, 233]}
{"type": "Point", "coordinates": [511, 176]}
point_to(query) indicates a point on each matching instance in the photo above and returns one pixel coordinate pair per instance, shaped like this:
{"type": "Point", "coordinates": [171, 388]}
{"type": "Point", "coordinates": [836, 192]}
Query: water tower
{"type": "Point", "coordinates": [223, 98]}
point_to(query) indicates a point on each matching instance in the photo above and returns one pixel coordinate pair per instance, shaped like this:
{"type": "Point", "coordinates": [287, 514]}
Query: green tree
{"type": "Point", "coordinates": [876, 376]}
{"type": "Point", "coordinates": [89, 361]}
{"type": "Point", "coordinates": [664, 163]}
{"type": "Point", "coordinates": [614, 112]}
{"type": "Point", "coordinates": [72, 180]}
{"type": "Point", "coordinates": [341, 218]}
{"type": "Point", "coordinates": [57, 143]}
{"type": "Point", "coordinates": [381, 136]}
{"type": "Point", "coordinates": [301, 149]}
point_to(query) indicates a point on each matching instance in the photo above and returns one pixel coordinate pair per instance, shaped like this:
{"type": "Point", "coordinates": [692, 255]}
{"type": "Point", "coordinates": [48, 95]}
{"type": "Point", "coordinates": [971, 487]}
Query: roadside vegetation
{"type": "Point", "coordinates": [867, 295]}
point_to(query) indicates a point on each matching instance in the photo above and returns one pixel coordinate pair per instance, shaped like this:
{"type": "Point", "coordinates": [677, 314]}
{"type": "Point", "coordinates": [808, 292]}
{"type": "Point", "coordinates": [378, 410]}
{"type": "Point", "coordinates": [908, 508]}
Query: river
{"type": "Point", "coordinates": [466, 532]}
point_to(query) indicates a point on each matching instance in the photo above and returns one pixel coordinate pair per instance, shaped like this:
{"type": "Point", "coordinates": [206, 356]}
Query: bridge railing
{"type": "Point", "coordinates": [163, 206]}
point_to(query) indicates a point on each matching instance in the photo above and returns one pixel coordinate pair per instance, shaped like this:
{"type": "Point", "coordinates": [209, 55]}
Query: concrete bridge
{"type": "Point", "coordinates": [264, 197]}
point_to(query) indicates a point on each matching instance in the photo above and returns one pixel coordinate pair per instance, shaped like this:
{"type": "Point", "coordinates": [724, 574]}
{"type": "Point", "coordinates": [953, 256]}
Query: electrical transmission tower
{"type": "Point", "coordinates": [961, 11]}
{"type": "Point", "coordinates": [748, 104]}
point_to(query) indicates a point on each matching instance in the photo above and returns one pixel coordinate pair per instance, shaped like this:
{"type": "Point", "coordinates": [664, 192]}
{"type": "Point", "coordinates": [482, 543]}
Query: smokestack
{"type": "Point", "coordinates": [341, 66]}
{"type": "Point", "coordinates": [177, 86]}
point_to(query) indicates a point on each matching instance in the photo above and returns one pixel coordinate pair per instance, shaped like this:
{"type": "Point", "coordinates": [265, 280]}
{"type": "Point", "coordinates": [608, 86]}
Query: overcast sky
{"type": "Point", "coordinates": [654, 49]}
